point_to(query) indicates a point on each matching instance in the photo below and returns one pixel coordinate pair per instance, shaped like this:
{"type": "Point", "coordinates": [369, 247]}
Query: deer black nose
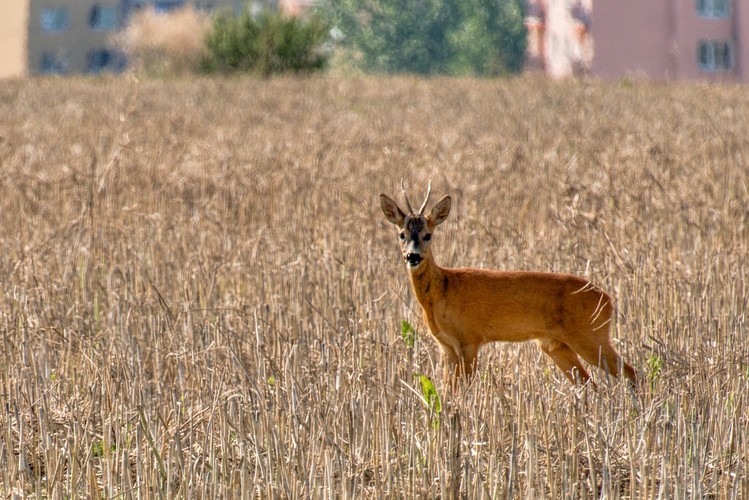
{"type": "Point", "coordinates": [413, 259]}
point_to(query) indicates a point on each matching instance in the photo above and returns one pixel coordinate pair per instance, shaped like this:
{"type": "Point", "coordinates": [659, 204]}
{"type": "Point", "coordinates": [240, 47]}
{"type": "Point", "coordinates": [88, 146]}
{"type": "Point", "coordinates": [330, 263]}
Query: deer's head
{"type": "Point", "coordinates": [415, 228]}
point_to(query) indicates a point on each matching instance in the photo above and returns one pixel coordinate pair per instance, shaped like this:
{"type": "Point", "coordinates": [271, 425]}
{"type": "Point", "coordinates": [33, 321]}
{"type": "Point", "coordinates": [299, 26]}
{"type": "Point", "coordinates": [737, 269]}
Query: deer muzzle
{"type": "Point", "coordinates": [413, 259]}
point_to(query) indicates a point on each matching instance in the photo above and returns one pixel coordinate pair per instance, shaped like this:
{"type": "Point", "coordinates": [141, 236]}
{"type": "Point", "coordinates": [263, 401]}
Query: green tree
{"type": "Point", "coordinates": [458, 37]}
{"type": "Point", "coordinates": [491, 39]}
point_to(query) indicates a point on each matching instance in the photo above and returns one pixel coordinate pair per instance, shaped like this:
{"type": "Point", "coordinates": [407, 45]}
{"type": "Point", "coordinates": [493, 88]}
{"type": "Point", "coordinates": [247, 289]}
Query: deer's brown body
{"type": "Point", "coordinates": [466, 308]}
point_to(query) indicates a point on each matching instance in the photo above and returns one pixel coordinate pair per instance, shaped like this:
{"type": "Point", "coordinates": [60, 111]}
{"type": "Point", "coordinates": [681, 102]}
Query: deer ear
{"type": "Point", "coordinates": [440, 211]}
{"type": "Point", "coordinates": [392, 211]}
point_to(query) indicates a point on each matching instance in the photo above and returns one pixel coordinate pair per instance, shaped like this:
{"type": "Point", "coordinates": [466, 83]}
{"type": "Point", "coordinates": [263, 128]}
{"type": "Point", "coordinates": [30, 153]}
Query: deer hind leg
{"type": "Point", "coordinates": [566, 359]}
{"type": "Point", "coordinates": [605, 357]}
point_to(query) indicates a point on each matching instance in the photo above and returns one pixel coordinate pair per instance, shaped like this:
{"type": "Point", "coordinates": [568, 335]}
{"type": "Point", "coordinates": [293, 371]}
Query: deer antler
{"type": "Point", "coordinates": [408, 203]}
{"type": "Point", "coordinates": [424, 205]}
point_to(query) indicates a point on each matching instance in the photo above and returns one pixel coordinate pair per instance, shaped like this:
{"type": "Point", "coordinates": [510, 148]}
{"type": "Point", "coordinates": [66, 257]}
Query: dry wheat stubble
{"type": "Point", "coordinates": [200, 297]}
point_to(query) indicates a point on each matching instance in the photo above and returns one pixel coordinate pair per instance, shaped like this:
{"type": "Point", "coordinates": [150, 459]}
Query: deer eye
{"type": "Point", "coordinates": [427, 237]}
{"type": "Point", "coordinates": [402, 236]}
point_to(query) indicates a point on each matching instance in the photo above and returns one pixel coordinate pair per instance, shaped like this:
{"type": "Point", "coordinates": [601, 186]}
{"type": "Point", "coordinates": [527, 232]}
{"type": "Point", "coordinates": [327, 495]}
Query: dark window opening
{"type": "Point", "coordinates": [99, 61]}
{"type": "Point", "coordinates": [103, 17]}
{"type": "Point", "coordinates": [54, 19]}
{"type": "Point", "coordinates": [54, 63]}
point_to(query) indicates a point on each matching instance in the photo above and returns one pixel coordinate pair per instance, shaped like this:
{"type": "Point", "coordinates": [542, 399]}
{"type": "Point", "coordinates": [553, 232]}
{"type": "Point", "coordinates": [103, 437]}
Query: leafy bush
{"type": "Point", "coordinates": [266, 44]}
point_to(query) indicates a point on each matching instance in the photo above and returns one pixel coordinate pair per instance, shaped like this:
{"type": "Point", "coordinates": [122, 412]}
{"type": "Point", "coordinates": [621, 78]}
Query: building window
{"type": "Point", "coordinates": [103, 17]}
{"type": "Point", "coordinates": [54, 63]}
{"type": "Point", "coordinates": [713, 8]}
{"type": "Point", "coordinates": [55, 19]}
{"type": "Point", "coordinates": [101, 60]}
{"type": "Point", "coordinates": [713, 55]}
{"type": "Point", "coordinates": [164, 6]}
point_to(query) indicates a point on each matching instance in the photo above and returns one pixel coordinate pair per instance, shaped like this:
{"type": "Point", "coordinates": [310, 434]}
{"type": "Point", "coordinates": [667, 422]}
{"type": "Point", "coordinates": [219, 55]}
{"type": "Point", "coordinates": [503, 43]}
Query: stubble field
{"type": "Point", "coordinates": [202, 298]}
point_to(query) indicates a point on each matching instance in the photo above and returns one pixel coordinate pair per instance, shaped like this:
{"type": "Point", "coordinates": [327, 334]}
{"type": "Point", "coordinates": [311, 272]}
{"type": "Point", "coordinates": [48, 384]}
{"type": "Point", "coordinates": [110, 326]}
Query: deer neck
{"type": "Point", "coordinates": [427, 281]}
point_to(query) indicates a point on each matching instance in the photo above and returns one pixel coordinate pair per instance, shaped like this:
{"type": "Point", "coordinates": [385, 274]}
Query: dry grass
{"type": "Point", "coordinates": [201, 297]}
{"type": "Point", "coordinates": [167, 44]}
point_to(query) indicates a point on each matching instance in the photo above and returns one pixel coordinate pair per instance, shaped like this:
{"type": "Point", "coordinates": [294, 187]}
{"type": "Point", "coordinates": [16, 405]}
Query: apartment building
{"type": "Point", "coordinates": [670, 40]}
{"type": "Point", "coordinates": [42, 37]}
{"type": "Point", "coordinates": [72, 37]}
{"type": "Point", "coordinates": [702, 40]}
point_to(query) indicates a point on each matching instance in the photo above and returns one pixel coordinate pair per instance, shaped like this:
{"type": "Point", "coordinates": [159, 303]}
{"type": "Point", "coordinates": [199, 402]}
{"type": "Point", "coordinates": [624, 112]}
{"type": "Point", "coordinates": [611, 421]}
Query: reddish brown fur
{"type": "Point", "coordinates": [466, 308]}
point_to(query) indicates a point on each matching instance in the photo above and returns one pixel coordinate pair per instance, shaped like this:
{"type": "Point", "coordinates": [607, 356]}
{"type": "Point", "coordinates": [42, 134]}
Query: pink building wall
{"type": "Point", "coordinates": [740, 32]}
{"type": "Point", "coordinates": [631, 38]}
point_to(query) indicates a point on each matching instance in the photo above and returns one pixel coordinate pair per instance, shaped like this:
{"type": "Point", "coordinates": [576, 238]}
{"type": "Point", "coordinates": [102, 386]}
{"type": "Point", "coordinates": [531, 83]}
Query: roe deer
{"type": "Point", "coordinates": [465, 308]}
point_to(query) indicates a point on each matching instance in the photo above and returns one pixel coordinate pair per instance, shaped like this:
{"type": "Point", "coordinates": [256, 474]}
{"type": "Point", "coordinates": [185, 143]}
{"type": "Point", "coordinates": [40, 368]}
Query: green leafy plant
{"type": "Point", "coordinates": [97, 448]}
{"type": "Point", "coordinates": [408, 334]}
{"type": "Point", "coordinates": [430, 394]}
{"type": "Point", "coordinates": [655, 365]}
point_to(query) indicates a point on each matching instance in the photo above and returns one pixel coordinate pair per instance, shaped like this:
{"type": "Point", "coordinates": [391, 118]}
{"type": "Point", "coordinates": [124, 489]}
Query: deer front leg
{"type": "Point", "coordinates": [469, 353]}
{"type": "Point", "coordinates": [458, 363]}
{"type": "Point", "coordinates": [449, 365]}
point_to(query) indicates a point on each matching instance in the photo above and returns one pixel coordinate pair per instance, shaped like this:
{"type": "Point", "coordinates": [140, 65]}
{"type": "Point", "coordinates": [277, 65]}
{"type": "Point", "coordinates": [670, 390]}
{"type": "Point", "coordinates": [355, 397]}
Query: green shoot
{"type": "Point", "coordinates": [408, 334]}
